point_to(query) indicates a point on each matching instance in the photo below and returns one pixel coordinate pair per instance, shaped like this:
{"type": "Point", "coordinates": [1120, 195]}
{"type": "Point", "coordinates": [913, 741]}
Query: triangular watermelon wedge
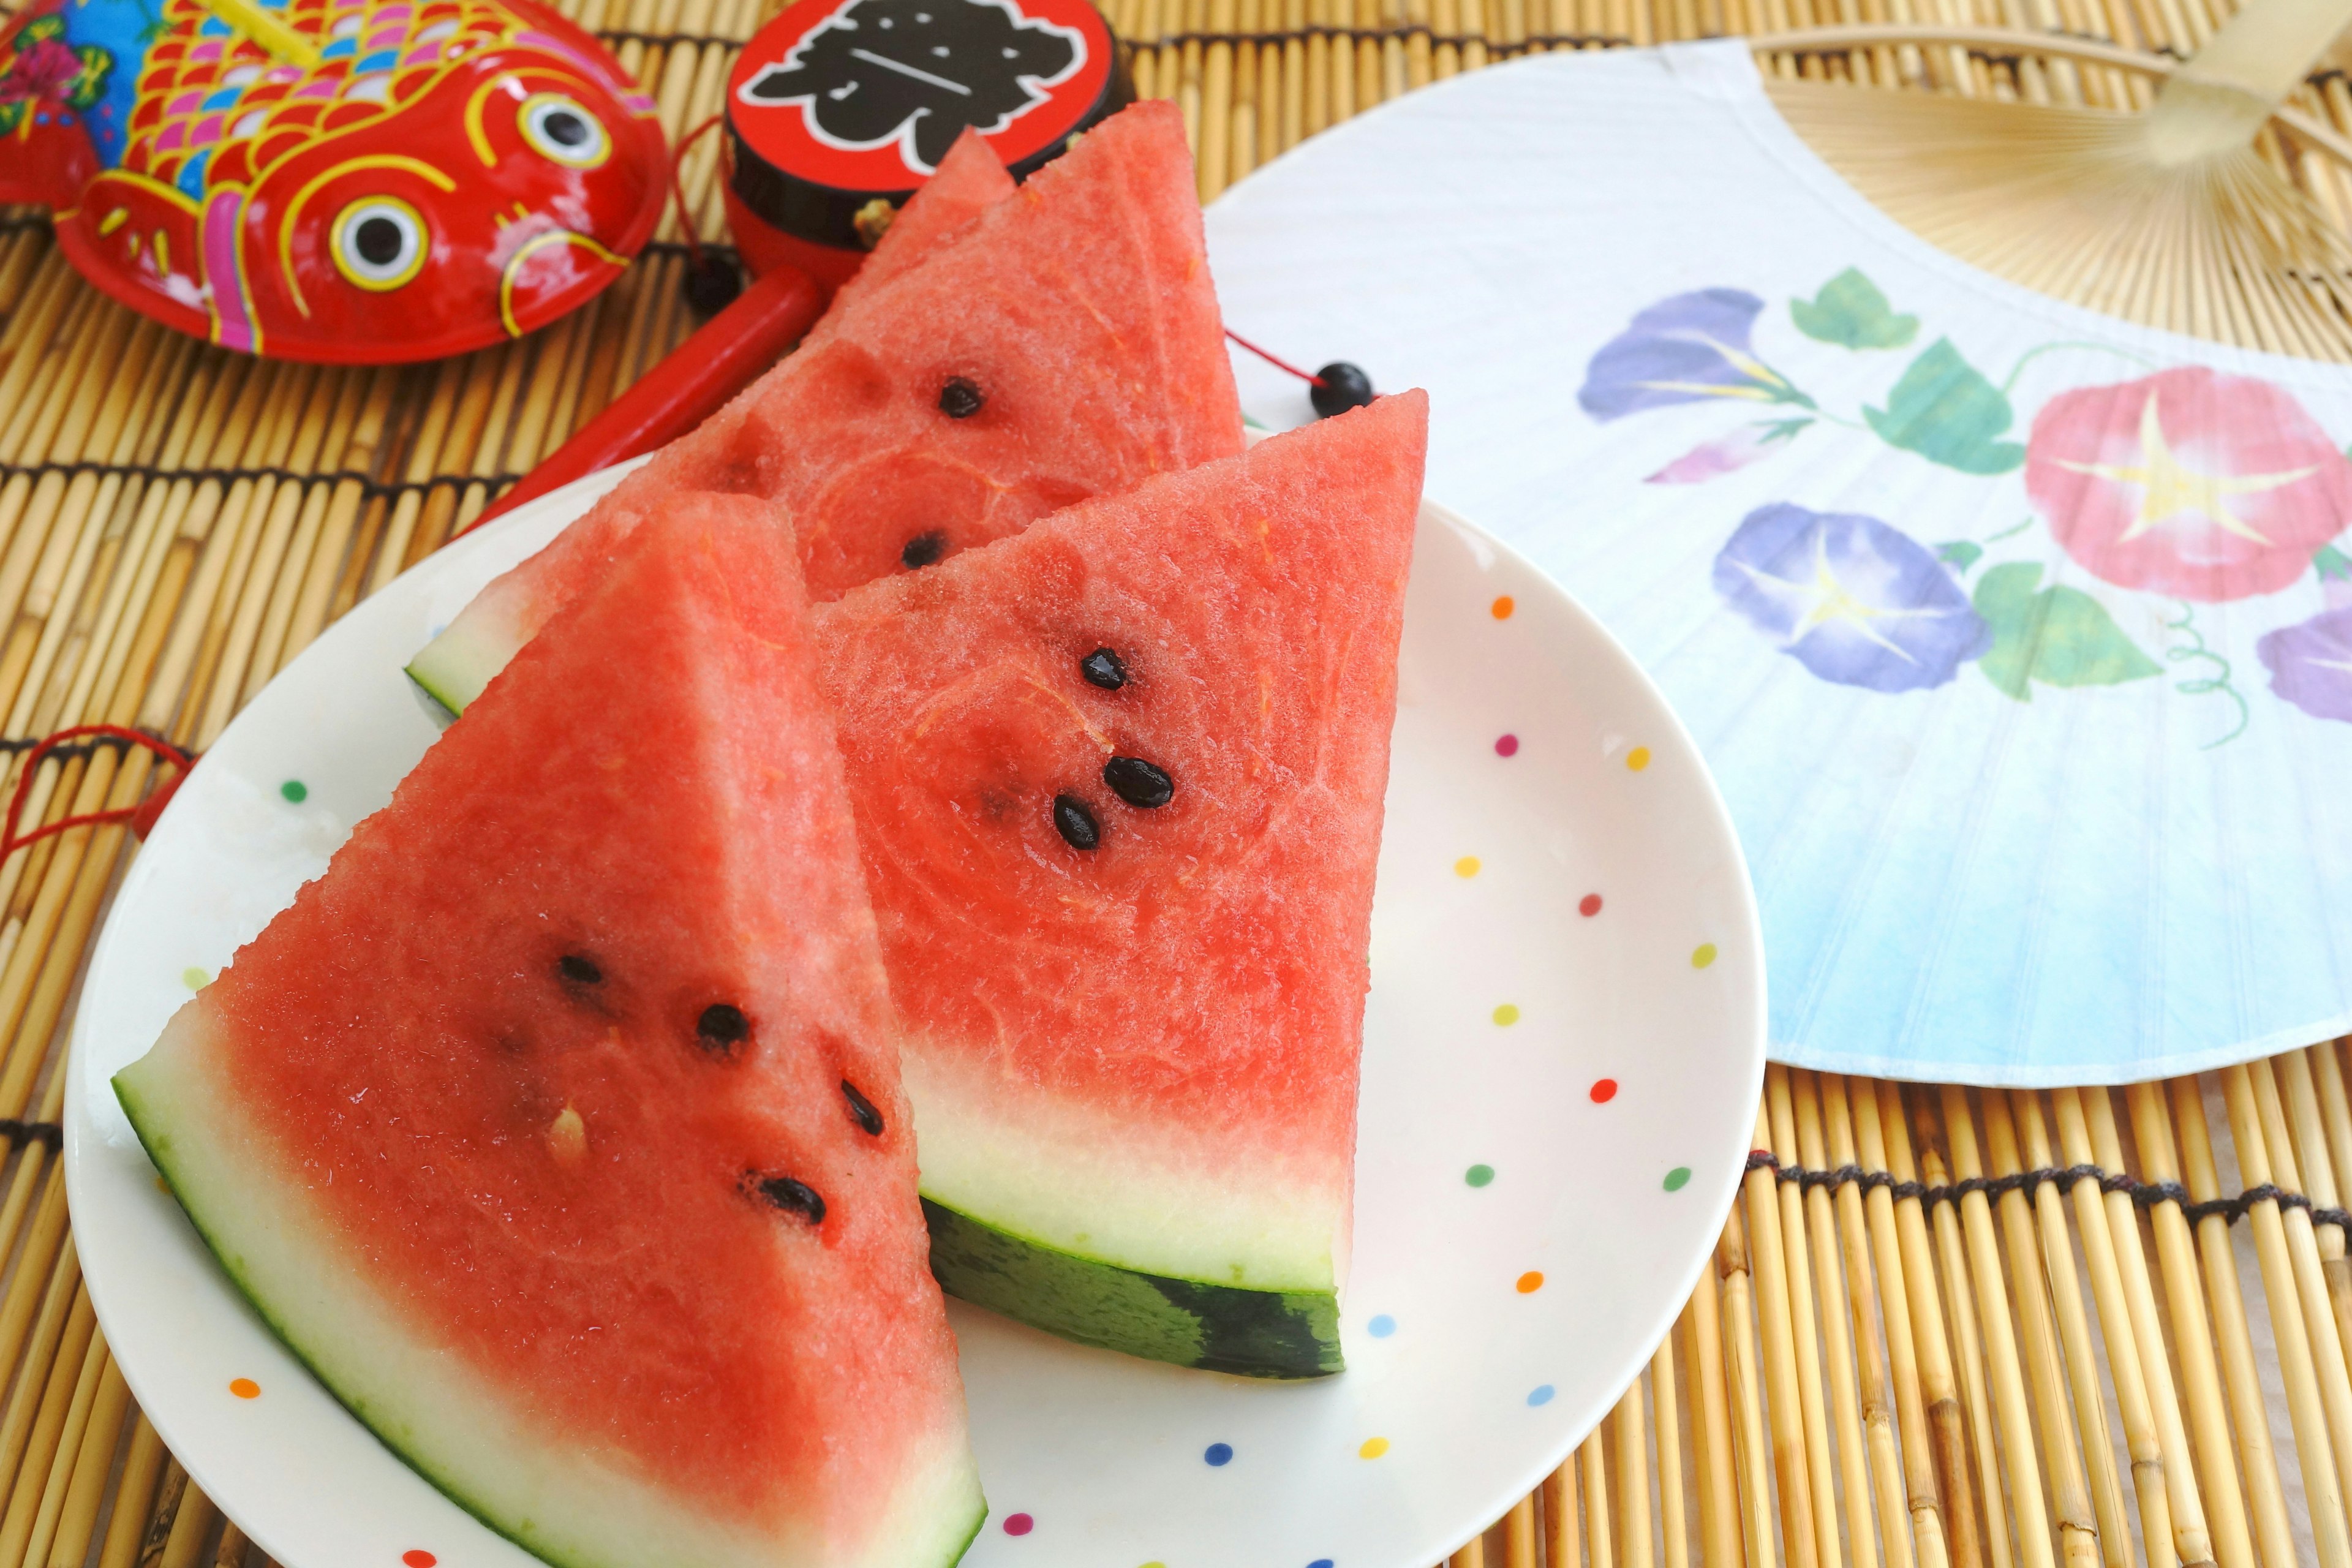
{"type": "Point", "coordinates": [562, 1138]}
{"type": "Point", "coordinates": [1118, 785]}
{"type": "Point", "coordinates": [1060, 344]}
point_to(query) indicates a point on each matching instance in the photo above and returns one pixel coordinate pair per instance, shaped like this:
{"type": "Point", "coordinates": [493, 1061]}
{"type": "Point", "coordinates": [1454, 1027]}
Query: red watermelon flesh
{"type": "Point", "coordinates": [968, 181]}
{"type": "Point", "coordinates": [1063, 344]}
{"type": "Point", "coordinates": [1142, 1054]}
{"type": "Point", "coordinates": [563, 1138]}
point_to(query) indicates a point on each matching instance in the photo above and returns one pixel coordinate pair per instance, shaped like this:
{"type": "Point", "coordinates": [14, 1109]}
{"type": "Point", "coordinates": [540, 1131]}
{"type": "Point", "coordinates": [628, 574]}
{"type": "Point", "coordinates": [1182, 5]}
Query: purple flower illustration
{"type": "Point", "coordinates": [1853, 600]}
{"type": "Point", "coordinates": [1686, 349]}
{"type": "Point", "coordinates": [2311, 664]}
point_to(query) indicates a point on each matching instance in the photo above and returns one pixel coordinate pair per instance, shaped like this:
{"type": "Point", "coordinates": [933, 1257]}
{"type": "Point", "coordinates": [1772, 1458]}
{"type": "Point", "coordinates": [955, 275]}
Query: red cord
{"type": "Point", "coordinates": [10, 843]}
{"type": "Point", "coordinates": [677, 188]}
{"type": "Point", "coordinates": [1277, 364]}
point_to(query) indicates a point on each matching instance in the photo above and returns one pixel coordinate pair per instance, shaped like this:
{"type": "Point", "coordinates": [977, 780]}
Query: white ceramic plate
{"type": "Point", "coordinates": [1562, 1052]}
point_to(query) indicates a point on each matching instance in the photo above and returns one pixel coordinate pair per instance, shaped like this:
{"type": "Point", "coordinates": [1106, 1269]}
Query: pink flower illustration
{"type": "Point", "coordinates": [2201, 486]}
{"type": "Point", "coordinates": [1727, 453]}
{"type": "Point", "coordinates": [45, 70]}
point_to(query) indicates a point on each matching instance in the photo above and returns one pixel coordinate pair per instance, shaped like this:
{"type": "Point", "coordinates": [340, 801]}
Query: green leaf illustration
{"type": "Point", "coordinates": [1851, 313]}
{"type": "Point", "coordinates": [1946, 412]}
{"type": "Point", "coordinates": [2331, 563]}
{"type": "Point", "coordinates": [90, 83]}
{"type": "Point", "coordinates": [1959, 554]}
{"type": "Point", "coordinates": [2059, 636]}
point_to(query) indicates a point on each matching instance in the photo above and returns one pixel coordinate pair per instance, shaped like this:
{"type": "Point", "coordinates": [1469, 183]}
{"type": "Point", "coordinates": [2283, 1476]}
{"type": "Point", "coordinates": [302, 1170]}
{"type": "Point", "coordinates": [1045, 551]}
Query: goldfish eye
{"type": "Point", "coordinates": [379, 243]}
{"type": "Point", "coordinates": [560, 131]}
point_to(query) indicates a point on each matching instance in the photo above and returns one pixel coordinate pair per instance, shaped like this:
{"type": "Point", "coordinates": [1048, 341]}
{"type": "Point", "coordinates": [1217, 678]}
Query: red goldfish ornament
{"type": "Point", "coordinates": [342, 181]}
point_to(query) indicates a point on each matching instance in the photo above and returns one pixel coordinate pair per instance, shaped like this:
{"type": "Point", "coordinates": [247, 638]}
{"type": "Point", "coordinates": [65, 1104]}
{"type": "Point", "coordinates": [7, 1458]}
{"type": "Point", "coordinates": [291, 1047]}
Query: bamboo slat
{"type": "Point", "coordinates": [1942, 1328]}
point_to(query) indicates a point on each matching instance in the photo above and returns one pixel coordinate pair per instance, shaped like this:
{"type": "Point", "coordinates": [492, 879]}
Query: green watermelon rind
{"type": "Point", "coordinates": [159, 1146]}
{"type": "Point", "coordinates": [446, 668]}
{"type": "Point", "coordinates": [1286, 1335]}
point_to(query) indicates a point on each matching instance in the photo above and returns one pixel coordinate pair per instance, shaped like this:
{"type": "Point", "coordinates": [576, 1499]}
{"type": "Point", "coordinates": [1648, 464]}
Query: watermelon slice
{"type": "Point", "coordinates": [1062, 344]}
{"type": "Point", "coordinates": [563, 1140]}
{"type": "Point", "coordinates": [1118, 785]}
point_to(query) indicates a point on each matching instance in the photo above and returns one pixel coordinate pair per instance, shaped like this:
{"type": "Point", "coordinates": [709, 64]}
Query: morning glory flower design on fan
{"type": "Point", "coordinates": [2186, 484]}
{"type": "Point", "coordinates": [1687, 349]}
{"type": "Point", "coordinates": [2311, 664]}
{"type": "Point", "coordinates": [1853, 600]}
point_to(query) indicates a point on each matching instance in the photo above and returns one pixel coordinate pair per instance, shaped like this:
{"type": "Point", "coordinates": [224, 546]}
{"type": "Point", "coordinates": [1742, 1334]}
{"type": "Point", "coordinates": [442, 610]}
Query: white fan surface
{"type": "Point", "coordinates": [2019, 637]}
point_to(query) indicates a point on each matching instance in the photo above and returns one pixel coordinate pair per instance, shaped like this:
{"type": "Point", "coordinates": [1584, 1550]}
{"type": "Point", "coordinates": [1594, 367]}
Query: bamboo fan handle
{"type": "Point", "coordinates": [2018, 41]}
{"type": "Point", "coordinates": [2217, 101]}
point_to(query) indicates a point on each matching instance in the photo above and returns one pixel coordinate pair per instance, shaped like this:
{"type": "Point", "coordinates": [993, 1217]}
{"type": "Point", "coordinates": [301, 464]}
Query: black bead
{"type": "Point", "coordinates": [1345, 387]}
{"type": "Point", "coordinates": [721, 1029]}
{"type": "Point", "coordinates": [1102, 668]}
{"type": "Point", "coordinates": [789, 1196]}
{"type": "Point", "coordinates": [861, 1109]}
{"type": "Point", "coordinates": [578, 970]}
{"type": "Point", "coordinates": [960, 399]}
{"type": "Point", "coordinates": [1139, 782]}
{"type": "Point", "coordinates": [712, 286]}
{"type": "Point", "coordinates": [923, 550]}
{"type": "Point", "coordinates": [1076, 824]}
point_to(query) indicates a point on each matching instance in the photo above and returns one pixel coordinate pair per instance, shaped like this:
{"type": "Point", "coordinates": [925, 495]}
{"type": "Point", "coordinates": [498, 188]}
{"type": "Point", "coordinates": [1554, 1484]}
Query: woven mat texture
{"type": "Point", "coordinates": [1941, 1326]}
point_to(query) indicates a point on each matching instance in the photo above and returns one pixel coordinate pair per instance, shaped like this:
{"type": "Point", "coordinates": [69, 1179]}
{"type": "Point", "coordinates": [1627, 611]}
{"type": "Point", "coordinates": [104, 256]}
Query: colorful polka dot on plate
{"type": "Point", "coordinates": [1638, 758]}
{"type": "Point", "coordinates": [1506, 746]}
{"type": "Point", "coordinates": [1320, 1562]}
{"type": "Point", "coordinates": [1479, 1175]}
{"type": "Point", "coordinates": [195, 979]}
{"type": "Point", "coordinates": [1501, 608]}
{"type": "Point", "coordinates": [1019, 1524]}
{"type": "Point", "coordinates": [1466, 866]}
{"type": "Point", "coordinates": [245, 1388]}
{"type": "Point", "coordinates": [1540, 1394]}
{"type": "Point", "coordinates": [1678, 1178]}
{"type": "Point", "coordinates": [1589, 905]}
{"type": "Point", "coordinates": [1507, 1014]}
{"type": "Point", "coordinates": [1373, 1448]}
{"type": "Point", "coordinates": [1604, 1089]}
{"type": "Point", "coordinates": [1703, 956]}
{"type": "Point", "coordinates": [419, 1559]}
{"type": "Point", "coordinates": [295, 791]}
{"type": "Point", "coordinates": [1382, 1327]}
{"type": "Point", "coordinates": [1218, 1454]}
{"type": "Point", "coordinates": [1530, 1282]}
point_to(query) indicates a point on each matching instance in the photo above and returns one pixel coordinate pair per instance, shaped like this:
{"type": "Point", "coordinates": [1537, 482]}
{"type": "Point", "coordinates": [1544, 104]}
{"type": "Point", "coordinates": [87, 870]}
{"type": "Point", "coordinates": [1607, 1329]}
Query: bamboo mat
{"type": "Point", "coordinates": [1998, 1331]}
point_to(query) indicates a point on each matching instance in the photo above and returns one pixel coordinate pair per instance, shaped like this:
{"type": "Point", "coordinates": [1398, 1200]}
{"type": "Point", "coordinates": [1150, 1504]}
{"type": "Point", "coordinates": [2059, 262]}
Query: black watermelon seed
{"type": "Point", "coordinates": [861, 1109]}
{"type": "Point", "coordinates": [960, 399]}
{"type": "Point", "coordinates": [1102, 668]}
{"type": "Point", "coordinates": [1076, 824]}
{"type": "Point", "coordinates": [1344, 387]}
{"type": "Point", "coordinates": [722, 1027]}
{"type": "Point", "coordinates": [791, 1196]}
{"type": "Point", "coordinates": [923, 550]}
{"type": "Point", "coordinates": [578, 970]}
{"type": "Point", "coordinates": [1138, 783]}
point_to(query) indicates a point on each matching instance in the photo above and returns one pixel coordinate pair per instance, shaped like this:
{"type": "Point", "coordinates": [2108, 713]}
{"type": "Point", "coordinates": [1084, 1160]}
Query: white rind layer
{"type": "Point", "coordinates": [469, 653]}
{"type": "Point", "coordinates": [573, 1507]}
{"type": "Point", "coordinates": [1217, 1209]}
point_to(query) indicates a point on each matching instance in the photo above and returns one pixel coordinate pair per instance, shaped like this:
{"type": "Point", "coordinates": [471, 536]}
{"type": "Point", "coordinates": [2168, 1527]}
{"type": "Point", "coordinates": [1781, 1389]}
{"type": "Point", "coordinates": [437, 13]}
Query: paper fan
{"type": "Point", "coordinates": [2020, 637]}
